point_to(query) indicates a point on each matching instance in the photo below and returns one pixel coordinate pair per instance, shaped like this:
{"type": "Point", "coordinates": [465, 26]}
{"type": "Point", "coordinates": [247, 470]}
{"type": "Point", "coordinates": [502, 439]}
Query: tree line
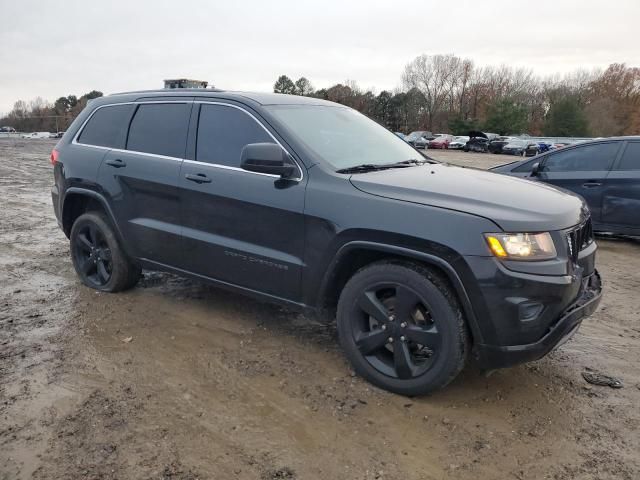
{"type": "Point", "coordinates": [38, 115]}
{"type": "Point", "coordinates": [446, 93]}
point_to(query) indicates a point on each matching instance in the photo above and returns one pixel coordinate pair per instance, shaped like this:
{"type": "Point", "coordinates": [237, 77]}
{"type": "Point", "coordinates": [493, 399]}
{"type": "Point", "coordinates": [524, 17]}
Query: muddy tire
{"type": "Point", "coordinates": [97, 256]}
{"type": "Point", "coordinates": [401, 328]}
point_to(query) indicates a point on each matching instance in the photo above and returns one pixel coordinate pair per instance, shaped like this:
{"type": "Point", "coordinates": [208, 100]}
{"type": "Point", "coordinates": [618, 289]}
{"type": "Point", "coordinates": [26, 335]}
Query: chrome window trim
{"type": "Point", "coordinates": [237, 169]}
{"type": "Point", "coordinates": [216, 165]}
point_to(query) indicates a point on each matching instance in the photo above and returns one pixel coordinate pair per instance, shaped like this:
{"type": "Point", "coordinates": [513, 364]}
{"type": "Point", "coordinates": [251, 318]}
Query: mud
{"type": "Point", "coordinates": [178, 380]}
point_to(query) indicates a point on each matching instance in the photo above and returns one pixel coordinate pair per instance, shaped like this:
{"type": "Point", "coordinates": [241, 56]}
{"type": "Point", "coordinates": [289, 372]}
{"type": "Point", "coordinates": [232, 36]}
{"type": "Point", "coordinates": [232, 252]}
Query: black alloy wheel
{"type": "Point", "coordinates": [394, 330]}
{"type": "Point", "coordinates": [401, 327]}
{"type": "Point", "coordinates": [93, 255]}
{"type": "Point", "coordinates": [97, 256]}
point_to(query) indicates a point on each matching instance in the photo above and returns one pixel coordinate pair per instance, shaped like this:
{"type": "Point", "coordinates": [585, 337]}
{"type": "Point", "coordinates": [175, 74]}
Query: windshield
{"type": "Point", "coordinates": [343, 137]}
{"type": "Point", "coordinates": [517, 143]}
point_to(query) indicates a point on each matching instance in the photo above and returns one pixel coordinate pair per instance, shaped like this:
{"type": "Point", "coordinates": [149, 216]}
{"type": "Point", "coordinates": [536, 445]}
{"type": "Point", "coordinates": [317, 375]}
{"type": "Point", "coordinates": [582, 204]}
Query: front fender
{"type": "Point", "coordinates": [437, 260]}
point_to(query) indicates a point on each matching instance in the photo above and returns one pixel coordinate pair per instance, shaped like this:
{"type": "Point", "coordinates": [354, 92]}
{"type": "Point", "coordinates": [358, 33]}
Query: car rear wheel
{"type": "Point", "coordinates": [401, 328]}
{"type": "Point", "coordinates": [97, 256]}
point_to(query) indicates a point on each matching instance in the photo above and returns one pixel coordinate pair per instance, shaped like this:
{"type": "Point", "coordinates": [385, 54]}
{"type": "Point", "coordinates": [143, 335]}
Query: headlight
{"type": "Point", "coordinates": [521, 246]}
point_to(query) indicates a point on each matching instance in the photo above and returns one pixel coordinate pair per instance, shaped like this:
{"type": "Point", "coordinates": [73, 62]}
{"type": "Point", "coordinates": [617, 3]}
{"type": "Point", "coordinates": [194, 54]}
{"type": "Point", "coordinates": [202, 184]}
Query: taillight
{"type": "Point", "coordinates": [54, 156]}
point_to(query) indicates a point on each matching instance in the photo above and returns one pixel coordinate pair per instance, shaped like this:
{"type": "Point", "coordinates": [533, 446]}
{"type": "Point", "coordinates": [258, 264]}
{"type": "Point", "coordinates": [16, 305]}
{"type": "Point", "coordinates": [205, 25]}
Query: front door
{"type": "Point", "coordinates": [240, 227]}
{"type": "Point", "coordinates": [583, 170]}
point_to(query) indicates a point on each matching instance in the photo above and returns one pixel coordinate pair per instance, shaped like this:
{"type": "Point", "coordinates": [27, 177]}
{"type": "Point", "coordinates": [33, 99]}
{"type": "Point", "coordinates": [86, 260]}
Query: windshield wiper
{"type": "Point", "coordinates": [370, 167]}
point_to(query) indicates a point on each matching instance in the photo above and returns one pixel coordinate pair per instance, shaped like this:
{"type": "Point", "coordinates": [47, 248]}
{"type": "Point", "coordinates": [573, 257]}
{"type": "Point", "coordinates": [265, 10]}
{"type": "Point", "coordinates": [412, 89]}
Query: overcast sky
{"type": "Point", "coordinates": [56, 48]}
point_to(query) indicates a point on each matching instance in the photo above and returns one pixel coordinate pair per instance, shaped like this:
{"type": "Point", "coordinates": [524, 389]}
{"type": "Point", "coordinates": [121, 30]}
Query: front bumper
{"type": "Point", "coordinates": [586, 303]}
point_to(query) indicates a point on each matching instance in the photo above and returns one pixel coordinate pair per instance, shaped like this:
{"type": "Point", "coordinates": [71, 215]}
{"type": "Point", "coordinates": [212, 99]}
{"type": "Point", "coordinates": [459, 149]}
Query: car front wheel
{"type": "Point", "coordinates": [401, 328]}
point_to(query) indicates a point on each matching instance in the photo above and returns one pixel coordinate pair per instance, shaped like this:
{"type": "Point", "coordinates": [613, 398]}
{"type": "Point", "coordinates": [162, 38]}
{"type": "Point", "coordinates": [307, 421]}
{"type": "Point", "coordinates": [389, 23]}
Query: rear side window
{"type": "Point", "coordinates": [631, 157]}
{"type": "Point", "coordinates": [586, 158]}
{"type": "Point", "coordinates": [222, 133]}
{"type": "Point", "coordinates": [107, 127]}
{"type": "Point", "coordinates": [160, 128]}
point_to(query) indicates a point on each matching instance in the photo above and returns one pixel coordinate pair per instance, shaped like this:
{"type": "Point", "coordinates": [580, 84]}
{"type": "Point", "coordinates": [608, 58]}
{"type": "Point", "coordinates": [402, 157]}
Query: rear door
{"type": "Point", "coordinates": [583, 170]}
{"type": "Point", "coordinates": [240, 227]}
{"type": "Point", "coordinates": [621, 197]}
{"type": "Point", "coordinates": [141, 180]}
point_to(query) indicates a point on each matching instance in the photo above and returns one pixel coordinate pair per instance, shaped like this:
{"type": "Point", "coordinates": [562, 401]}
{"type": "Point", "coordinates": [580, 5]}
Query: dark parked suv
{"type": "Point", "coordinates": [310, 204]}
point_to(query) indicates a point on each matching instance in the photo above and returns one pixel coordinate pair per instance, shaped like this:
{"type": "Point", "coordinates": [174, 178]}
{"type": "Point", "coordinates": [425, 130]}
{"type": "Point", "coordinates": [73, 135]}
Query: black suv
{"type": "Point", "coordinates": [309, 203]}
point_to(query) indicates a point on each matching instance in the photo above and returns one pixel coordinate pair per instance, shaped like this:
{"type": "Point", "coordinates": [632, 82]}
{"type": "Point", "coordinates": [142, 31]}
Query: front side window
{"type": "Point", "coordinates": [525, 167]}
{"type": "Point", "coordinates": [631, 157]}
{"type": "Point", "coordinates": [586, 158]}
{"type": "Point", "coordinates": [160, 128]}
{"type": "Point", "coordinates": [222, 133]}
{"type": "Point", "coordinates": [107, 127]}
{"type": "Point", "coordinates": [341, 136]}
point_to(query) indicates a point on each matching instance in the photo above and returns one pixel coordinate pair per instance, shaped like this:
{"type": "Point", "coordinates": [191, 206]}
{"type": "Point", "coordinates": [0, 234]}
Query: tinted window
{"type": "Point", "coordinates": [526, 167]}
{"type": "Point", "coordinates": [160, 129]}
{"type": "Point", "coordinates": [341, 136]}
{"type": "Point", "coordinates": [107, 127]}
{"type": "Point", "coordinates": [223, 132]}
{"type": "Point", "coordinates": [586, 158]}
{"type": "Point", "coordinates": [631, 157]}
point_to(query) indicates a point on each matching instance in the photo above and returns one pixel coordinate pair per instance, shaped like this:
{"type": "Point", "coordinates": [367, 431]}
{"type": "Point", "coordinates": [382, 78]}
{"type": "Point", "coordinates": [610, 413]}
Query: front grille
{"type": "Point", "coordinates": [579, 239]}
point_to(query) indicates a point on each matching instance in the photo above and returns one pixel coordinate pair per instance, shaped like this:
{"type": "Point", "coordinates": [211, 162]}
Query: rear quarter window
{"type": "Point", "coordinates": [160, 129]}
{"type": "Point", "coordinates": [107, 127]}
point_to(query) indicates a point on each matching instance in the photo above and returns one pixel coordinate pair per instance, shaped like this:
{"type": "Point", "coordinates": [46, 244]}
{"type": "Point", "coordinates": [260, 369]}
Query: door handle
{"type": "Point", "coordinates": [591, 184]}
{"type": "Point", "coordinates": [199, 178]}
{"type": "Point", "coordinates": [116, 162]}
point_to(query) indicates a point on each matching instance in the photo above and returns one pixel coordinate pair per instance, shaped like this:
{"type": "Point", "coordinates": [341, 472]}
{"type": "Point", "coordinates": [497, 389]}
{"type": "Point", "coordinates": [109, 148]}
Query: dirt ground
{"type": "Point", "coordinates": [178, 380]}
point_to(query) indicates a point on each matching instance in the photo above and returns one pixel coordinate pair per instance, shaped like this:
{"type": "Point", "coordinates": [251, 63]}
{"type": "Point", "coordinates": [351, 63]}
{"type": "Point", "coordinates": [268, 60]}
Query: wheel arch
{"type": "Point", "coordinates": [356, 254]}
{"type": "Point", "coordinates": [80, 200]}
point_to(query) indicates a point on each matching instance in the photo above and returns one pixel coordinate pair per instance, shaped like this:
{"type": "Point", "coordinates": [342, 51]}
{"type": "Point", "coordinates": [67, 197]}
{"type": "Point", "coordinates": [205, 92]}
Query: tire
{"type": "Point", "coordinates": [384, 310]}
{"type": "Point", "coordinates": [98, 257]}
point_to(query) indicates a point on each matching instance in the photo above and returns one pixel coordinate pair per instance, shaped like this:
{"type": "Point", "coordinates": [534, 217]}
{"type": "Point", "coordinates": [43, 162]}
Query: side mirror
{"type": "Point", "coordinates": [535, 169]}
{"type": "Point", "coordinates": [267, 158]}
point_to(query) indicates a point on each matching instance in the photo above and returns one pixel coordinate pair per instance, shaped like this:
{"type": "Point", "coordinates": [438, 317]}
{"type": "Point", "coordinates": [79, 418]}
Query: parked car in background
{"type": "Point", "coordinates": [56, 135]}
{"type": "Point", "coordinates": [7, 130]}
{"type": "Point", "coordinates": [531, 149]}
{"type": "Point", "coordinates": [516, 146]}
{"type": "Point", "coordinates": [422, 142]}
{"type": "Point", "coordinates": [36, 135]}
{"type": "Point", "coordinates": [458, 142]}
{"type": "Point", "coordinates": [478, 142]}
{"type": "Point", "coordinates": [606, 173]}
{"type": "Point", "coordinates": [400, 135]}
{"type": "Point", "coordinates": [544, 147]}
{"type": "Point", "coordinates": [419, 139]}
{"type": "Point", "coordinates": [495, 145]}
{"type": "Point", "coordinates": [441, 141]}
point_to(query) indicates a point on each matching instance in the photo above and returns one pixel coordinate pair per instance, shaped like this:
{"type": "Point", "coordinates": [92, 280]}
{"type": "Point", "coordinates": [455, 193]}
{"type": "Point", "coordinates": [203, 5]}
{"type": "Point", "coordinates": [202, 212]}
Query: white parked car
{"type": "Point", "coordinates": [36, 135]}
{"type": "Point", "coordinates": [458, 143]}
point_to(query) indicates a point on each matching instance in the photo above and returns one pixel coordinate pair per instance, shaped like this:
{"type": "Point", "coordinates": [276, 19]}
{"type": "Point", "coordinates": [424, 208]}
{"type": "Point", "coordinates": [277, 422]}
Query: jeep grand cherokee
{"type": "Point", "coordinates": [308, 203]}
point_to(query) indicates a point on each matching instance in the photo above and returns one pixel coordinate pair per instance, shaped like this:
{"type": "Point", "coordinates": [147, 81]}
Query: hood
{"type": "Point", "coordinates": [514, 204]}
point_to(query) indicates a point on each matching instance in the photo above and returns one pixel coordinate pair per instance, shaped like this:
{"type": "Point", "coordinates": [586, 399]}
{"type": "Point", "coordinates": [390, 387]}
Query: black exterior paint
{"type": "Point", "coordinates": [286, 240]}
